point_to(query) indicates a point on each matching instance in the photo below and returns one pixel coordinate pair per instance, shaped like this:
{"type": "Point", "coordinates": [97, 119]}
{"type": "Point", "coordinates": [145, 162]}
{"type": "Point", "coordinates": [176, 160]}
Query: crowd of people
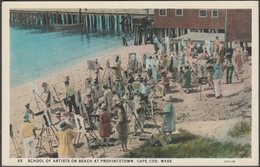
{"type": "Point", "coordinates": [119, 102]}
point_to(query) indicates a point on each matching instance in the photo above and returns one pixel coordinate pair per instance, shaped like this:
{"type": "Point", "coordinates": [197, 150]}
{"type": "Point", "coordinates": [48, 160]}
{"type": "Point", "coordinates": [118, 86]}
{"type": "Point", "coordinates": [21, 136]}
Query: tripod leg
{"type": "Point", "coordinates": [49, 141]}
{"type": "Point", "coordinates": [17, 155]}
{"type": "Point", "coordinates": [95, 137]}
{"type": "Point", "coordinates": [39, 140]}
{"type": "Point", "coordinates": [54, 132]}
{"type": "Point", "coordinates": [200, 91]}
{"type": "Point", "coordinates": [89, 147]}
{"type": "Point", "coordinates": [78, 137]}
{"type": "Point", "coordinates": [154, 121]}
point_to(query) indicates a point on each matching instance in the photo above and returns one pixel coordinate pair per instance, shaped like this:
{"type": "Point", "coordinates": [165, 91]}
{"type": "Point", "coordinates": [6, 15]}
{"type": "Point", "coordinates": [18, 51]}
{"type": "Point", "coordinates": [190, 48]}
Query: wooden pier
{"type": "Point", "coordinates": [134, 21]}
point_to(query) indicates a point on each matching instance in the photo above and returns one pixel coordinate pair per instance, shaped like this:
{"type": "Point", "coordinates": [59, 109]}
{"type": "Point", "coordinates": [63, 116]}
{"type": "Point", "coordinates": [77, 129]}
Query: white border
{"type": "Point", "coordinates": [140, 5]}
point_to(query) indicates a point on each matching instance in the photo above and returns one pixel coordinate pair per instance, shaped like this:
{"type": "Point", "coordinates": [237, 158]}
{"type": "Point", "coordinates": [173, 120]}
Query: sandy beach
{"type": "Point", "coordinates": [206, 116]}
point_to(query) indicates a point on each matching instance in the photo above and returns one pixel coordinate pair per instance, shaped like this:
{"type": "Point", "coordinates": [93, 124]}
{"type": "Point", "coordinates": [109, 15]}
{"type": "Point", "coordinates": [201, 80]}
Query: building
{"type": "Point", "coordinates": [177, 22]}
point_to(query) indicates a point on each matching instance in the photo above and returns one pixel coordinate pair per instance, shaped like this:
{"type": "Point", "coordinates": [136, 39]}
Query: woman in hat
{"type": "Point", "coordinates": [70, 95]}
{"type": "Point", "coordinates": [66, 136]}
{"type": "Point", "coordinates": [27, 134]}
{"type": "Point", "coordinates": [122, 126]}
{"type": "Point", "coordinates": [139, 112]}
{"type": "Point", "coordinates": [89, 104]}
{"type": "Point", "coordinates": [166, 83]}
{"type": "Point", "coordinates": [104, 125]}
{"type": "Point", "coordinates": [155, 44]}
{"type": "Point", "coordinates": [169, 119]}
{"type": "Point", "coordinates": [186, 79]}
{"type": "Point", "coordinates": [108, 97]}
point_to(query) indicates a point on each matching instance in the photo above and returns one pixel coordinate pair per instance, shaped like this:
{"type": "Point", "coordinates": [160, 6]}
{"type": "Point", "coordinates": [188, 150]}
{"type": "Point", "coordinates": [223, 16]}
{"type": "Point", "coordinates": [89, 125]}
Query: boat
{"type": "Point", "coordinates": [60, 27]}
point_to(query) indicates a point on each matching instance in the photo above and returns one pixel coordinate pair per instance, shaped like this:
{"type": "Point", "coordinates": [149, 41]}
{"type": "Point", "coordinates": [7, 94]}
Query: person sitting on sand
{"type": "Point", "coordinates": [169, 118]}
{"type": "Point", "coordinates": [27, 133]}
{"type": "Point", "coordinates": [122, 125]}
{"type": "Point", "coordinates": [65, 136]}
{"type": "Point", "coordinates": [70, 95]}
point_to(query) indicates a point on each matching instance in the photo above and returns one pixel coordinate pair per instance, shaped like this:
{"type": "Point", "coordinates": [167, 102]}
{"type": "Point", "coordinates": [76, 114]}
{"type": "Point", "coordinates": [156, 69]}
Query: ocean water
{"type": "Point", "coordinates": [35, 54]}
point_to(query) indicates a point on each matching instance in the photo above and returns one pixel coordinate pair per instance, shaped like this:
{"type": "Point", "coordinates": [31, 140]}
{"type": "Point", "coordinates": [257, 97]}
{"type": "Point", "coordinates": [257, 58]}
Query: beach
{"type": "Point", "coordinates": [207, 116]}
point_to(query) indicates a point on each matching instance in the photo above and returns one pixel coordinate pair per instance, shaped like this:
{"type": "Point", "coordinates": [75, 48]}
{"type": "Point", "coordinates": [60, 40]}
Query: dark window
{"type": "Point", "coordinates": [214, 13]}
{"type": "Point", "coordinates": [178, 12]}
{"type": "Point", "coordinates": [162, 12]}
{"type": "Point", "coordinates": [202, 13]}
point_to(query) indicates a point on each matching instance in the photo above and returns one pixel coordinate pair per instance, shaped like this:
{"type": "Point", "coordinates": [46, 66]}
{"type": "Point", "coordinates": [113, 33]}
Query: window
{"type": "Point", "coordinates": [202, 13]}
{"type": "Point", "coordinates": [162, 12]}
{"type": "Point", "coordinates": [178, 12]}
{"type": "Point", "coordinates": [214, 13]}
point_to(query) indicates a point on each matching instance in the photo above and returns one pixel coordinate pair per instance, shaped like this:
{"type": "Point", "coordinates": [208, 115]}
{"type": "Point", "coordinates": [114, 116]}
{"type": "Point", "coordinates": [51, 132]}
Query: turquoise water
{"type": "Point", "coordinates": [36, 54]}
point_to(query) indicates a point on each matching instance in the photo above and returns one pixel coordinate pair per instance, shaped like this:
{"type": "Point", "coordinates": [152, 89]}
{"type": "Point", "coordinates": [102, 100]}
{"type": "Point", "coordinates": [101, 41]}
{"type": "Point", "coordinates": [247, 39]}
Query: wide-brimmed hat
{"type": "Point", "coordinates": [26, 118]}
{"type": "Point", "coordinates": [136, 77]}
{"type": "Point", "coordinates": [118, 103]}
{"type": "Point", "coordinates": [168, 98]}
{"type": "Point", "coordinates": [125, 97]}
{"type": "Point", "coordinates": [88, 92]}
{"type": "Point", "coordinates": [103, 106]}
{"type": "Point", "coordinates": [27, 105]}
{"type": "Point", "coordinates": [63, 126]}
{"type": "Point", "coordinates": [66, 82]}
{"type": "Point", "coordinates": [44, 84]}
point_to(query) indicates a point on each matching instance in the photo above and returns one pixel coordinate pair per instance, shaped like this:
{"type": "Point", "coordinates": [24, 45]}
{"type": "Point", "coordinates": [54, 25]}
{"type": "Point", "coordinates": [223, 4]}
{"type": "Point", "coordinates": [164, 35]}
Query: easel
{"type": "Point", "coordinates": [154, 86]}
{"type": "Point", "coordinates": [47, 125]}
{"type": "Point", "coordinates": [82, 129]}
{"type": "Point", "coordinates": [107, 69]}
{"type": "Point", "coordinates": [15, 143]}
{"type": "Point", "coordinates": [136, 118]}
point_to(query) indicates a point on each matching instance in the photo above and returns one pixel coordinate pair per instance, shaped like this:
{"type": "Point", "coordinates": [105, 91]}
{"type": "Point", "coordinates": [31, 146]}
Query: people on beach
{"type": "Point", "coordinates": [139, 112]}
{"type": "Point", "coordinates": [70, 96]}
{"type": "Point", "coordinates": [104, 125]}
{"type": "Point", "coordinates": [108, 97]}
{"type": "Point", "coordinates": [89, 105]}
{"type": "Point", "coordinates": [28, 111]}
{"type": "Point", "coordinates": [186, 79]}
{"type": "Point", "coordinates": [124, 39]}
{"type": "Point", "coordinates": [65, 136]}
{"type": "Point", "coordinates": [165, 83]}
{"type": "Point", "coordinates": [229, 73]}
{"type": "Point", "coordinates": [122, 125]}
{"type": "Point", "coordinates": [155, 44]}
{"type": "Point", "coordinates": [27, 134]}
{"type": "Point", "coordinates": [128, 96]}
{"type": "Point", "coordinates": [217, 80]}
{"type": "Point", "coordinates": [169, 118]}
{"type": "Point", "coordinates": [47, 90]}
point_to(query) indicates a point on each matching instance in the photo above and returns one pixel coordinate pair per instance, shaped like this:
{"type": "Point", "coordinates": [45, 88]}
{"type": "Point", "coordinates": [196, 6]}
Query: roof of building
{"type": "Point", "coordinates": [90, 11]}
{"type": "Point", "coordinates": [197, 36]}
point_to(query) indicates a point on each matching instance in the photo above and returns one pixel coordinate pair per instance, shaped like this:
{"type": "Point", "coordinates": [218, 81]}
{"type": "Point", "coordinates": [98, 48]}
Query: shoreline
{"type": "Point", "coordinates": [20, 95]}
{"type": "Point", "coordinates": [81, 60]}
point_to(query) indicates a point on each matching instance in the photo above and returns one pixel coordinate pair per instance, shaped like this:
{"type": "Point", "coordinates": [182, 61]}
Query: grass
{"type": "Point", "coordinates": [240, 129]}
{"type": "Point", "coordinates": [187, 145]}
